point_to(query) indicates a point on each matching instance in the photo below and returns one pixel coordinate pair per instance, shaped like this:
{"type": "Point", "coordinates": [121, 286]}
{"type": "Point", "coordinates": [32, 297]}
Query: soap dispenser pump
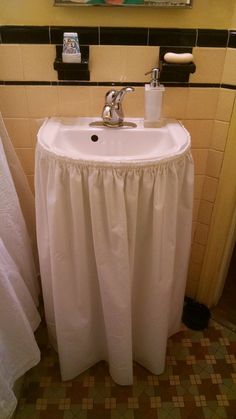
{"type": "Point", "coordinates": [153, 100]}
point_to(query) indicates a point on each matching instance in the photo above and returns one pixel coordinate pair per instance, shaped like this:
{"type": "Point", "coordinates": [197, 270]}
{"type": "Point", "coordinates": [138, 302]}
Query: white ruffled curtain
{"type": "Point", "coordinates": [18, 280]}
{"type": "Point", "coordinates": [23, 191]}
{"type": "Point", "coordinates": [114, 245]}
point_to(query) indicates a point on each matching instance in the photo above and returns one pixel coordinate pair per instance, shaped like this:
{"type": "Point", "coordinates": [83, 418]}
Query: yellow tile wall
{"type": "Point", "coordinates": [205, 112]}
{"type": "Point", "coordinates": [11, 67]}
{"type": "Point", "coordinates": [209, 65]}
{"type": "Point", "coordinates": [122, 63]}
{"type": "Point", "coordinates": [229, 74]}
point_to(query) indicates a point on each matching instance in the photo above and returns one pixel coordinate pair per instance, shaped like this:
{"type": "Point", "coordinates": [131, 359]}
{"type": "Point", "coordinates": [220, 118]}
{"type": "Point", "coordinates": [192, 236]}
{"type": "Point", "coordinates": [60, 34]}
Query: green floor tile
{"type": "Point", "coordinates": [70, 414]}
{"type": "Point", "coordinates": [213, 411]}
{"type": "Point", "coordinates": [29, 412]}
{"type": "Point", "coordinates": [168, 411]}
{"type": "Point", "coordinates": [126, 414]}
{"type": "Point", "coordinates": [229, 389]}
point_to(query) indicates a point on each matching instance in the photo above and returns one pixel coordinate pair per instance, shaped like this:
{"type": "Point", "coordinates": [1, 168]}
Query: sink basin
{"type": "Point", "coordinates": [76, 139]}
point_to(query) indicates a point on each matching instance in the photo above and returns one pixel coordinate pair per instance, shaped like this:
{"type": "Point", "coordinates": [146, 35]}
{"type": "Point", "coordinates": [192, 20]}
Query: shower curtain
{"type": "Point", "coordinates": [19, 289]}
{"type": "Point", "coordinates": [23, 191]}
{"type": "Point", "coordinates": [113, 244]}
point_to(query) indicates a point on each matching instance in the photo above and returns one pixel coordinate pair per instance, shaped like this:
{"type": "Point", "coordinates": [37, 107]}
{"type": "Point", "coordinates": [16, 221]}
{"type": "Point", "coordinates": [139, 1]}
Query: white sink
{"type": "Point", "coordinates": [76, 139]}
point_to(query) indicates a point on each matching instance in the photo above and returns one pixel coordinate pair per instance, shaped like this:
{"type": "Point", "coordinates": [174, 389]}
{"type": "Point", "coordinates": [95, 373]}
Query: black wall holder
{"type": "Point", "coordinates": [173, 72]}
{"type": "Point", "coordinates": [73, 71]}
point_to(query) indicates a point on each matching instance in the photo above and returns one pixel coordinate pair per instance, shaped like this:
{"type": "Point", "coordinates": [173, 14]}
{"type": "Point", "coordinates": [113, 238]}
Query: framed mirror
{"type": "Point", "coordinates": [153, 3]}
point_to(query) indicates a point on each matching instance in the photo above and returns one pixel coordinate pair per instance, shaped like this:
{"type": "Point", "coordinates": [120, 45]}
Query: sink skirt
{"type": "Point", "coordinates": [114, 244]}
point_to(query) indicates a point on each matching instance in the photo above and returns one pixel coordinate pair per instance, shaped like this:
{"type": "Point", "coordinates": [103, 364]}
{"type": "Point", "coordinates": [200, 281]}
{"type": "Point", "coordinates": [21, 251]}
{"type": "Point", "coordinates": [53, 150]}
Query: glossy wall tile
{"type": "Point", "coordinates": [25, 34]}
{"type": "Point", "coordinates": [123, 36]}
{"type": "Point", "coordinates": [212, 38]}
{"type": "Point", "coordinates": [172, 37]}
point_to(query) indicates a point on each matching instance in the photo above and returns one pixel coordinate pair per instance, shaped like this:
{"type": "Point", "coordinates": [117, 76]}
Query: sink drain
{"type": "Point", "coordinates": [94, 138]}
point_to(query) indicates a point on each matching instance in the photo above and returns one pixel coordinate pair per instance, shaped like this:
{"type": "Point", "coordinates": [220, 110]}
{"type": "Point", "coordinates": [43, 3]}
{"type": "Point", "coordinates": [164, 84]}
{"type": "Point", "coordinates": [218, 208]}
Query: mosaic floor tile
{"type": "Point", "coordinates": [199, 382]}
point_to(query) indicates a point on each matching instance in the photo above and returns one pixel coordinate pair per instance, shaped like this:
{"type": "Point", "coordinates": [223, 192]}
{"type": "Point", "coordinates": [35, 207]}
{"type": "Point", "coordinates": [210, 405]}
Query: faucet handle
{"type": "Point", "coordinates": [110, 96]}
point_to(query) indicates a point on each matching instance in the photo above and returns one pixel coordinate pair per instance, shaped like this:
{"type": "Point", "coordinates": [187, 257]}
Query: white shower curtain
{"type": "Point", "coordinates": [18, 319]}
{"type": "Point", "coordinates": [114, 245]}
{"type": "Point", "coordinates": [22, 188]}
{"type": "Point", "coordinates": [18, 281]}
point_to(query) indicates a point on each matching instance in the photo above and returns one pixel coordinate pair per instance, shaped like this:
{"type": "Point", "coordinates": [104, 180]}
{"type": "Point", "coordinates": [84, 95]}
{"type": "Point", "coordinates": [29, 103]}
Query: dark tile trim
{"type": "Point", "coordinates": [212, 38]}
{"type": "Point", "coordinates": [117, 83]}
{"type": "Point", "coordinates": [123, 36]}
{"type": "Point", "coordinates": [175, 84]}
{"type": "Point", "coordinates": [172, 37]}
{"type": "Point", "coordinates": [88, 83]}
{"type": "Point", "coordinates": [87, 35]}
{"type": "Point", "coordinates": [76, 83]}
{"type": "Point", "coordinates": [206, 85]}
{"type": "Point", "coordinates": [27, 83]}
{"type": "Point", "coordinates": [25, 34]}
{"type": "Point", "coordinates": [228, 86]}
{"type": "Point", "coordinates": [232, 39]}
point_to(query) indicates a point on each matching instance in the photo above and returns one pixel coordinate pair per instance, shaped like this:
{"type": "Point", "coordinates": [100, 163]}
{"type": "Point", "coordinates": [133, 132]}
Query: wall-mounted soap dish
{"type": "Point", "coordinates": [175, 72]}
{"type": "Point", "coordinates": [72, 71]}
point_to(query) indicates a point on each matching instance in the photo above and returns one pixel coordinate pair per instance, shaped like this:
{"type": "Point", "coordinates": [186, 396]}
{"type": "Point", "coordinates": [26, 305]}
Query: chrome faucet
{"type": "Point", "coordinates": [112, 114]}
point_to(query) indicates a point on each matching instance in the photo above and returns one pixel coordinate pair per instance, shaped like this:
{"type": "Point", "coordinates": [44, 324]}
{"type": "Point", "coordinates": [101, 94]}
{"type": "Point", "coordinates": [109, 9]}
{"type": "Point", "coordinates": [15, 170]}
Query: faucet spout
{"type": "Point", "coordinates": [120, 95]}
{"type": "Point", "coordinates": [112, 113]}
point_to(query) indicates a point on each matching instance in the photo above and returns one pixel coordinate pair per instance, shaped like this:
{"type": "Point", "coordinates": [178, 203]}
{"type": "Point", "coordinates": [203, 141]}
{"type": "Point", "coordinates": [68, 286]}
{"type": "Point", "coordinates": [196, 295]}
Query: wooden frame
{"type": "Point", "coordinates": [145, 3]}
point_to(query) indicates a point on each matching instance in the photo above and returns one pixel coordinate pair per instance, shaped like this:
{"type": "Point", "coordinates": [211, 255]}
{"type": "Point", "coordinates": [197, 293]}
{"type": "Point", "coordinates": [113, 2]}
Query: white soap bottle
{"type": "Point", "coordinates": [153, 100]}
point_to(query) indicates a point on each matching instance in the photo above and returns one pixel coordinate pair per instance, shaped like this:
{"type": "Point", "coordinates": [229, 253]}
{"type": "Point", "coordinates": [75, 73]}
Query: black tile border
{"type": "Point", "coordinates": [228, 86]}
{"type": "Point", "coordinates": [232, 39]}
{"type": "Point", "coordinates": [214, 38]}
{"type": "Point", "coordinates": [205, 85]}
{"type": "Point", "coordinates": [95, 35]}
{"type": "Point", "coordinates": [75, 83]}
{"type": "Point", "coordinates": [25, 34]}
{"type": "Point", "coordinates": [119, 84]}
{"type": "Point", "coordinates": [172, 37]}
{"type": "Point", "coordinates": [123, 36]}
{"type": "Point", "coordinates": [87, 35]}
{"type": "Point", "coordinates": [27, 83]}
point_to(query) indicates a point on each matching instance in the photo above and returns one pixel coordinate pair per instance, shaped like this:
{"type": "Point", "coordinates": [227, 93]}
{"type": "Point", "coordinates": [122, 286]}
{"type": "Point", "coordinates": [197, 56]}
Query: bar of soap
{"type": "Point", "coordinates": [184, 58]}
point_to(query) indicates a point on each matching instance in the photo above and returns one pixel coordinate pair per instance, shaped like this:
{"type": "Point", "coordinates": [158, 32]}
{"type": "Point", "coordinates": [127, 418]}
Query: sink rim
{"type": "Point", "coordinates": [82, 123]}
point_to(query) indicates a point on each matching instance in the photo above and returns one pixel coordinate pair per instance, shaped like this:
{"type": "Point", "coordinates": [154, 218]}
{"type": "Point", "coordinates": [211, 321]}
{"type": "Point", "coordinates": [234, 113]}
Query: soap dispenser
{"type": "Point", "coordinates": [153, 100]}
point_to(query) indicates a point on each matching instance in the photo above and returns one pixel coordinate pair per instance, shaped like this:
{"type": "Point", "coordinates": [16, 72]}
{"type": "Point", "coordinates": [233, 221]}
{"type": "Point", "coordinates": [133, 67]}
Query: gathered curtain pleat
{"type": "Point", "coordinates": [114, 245]}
